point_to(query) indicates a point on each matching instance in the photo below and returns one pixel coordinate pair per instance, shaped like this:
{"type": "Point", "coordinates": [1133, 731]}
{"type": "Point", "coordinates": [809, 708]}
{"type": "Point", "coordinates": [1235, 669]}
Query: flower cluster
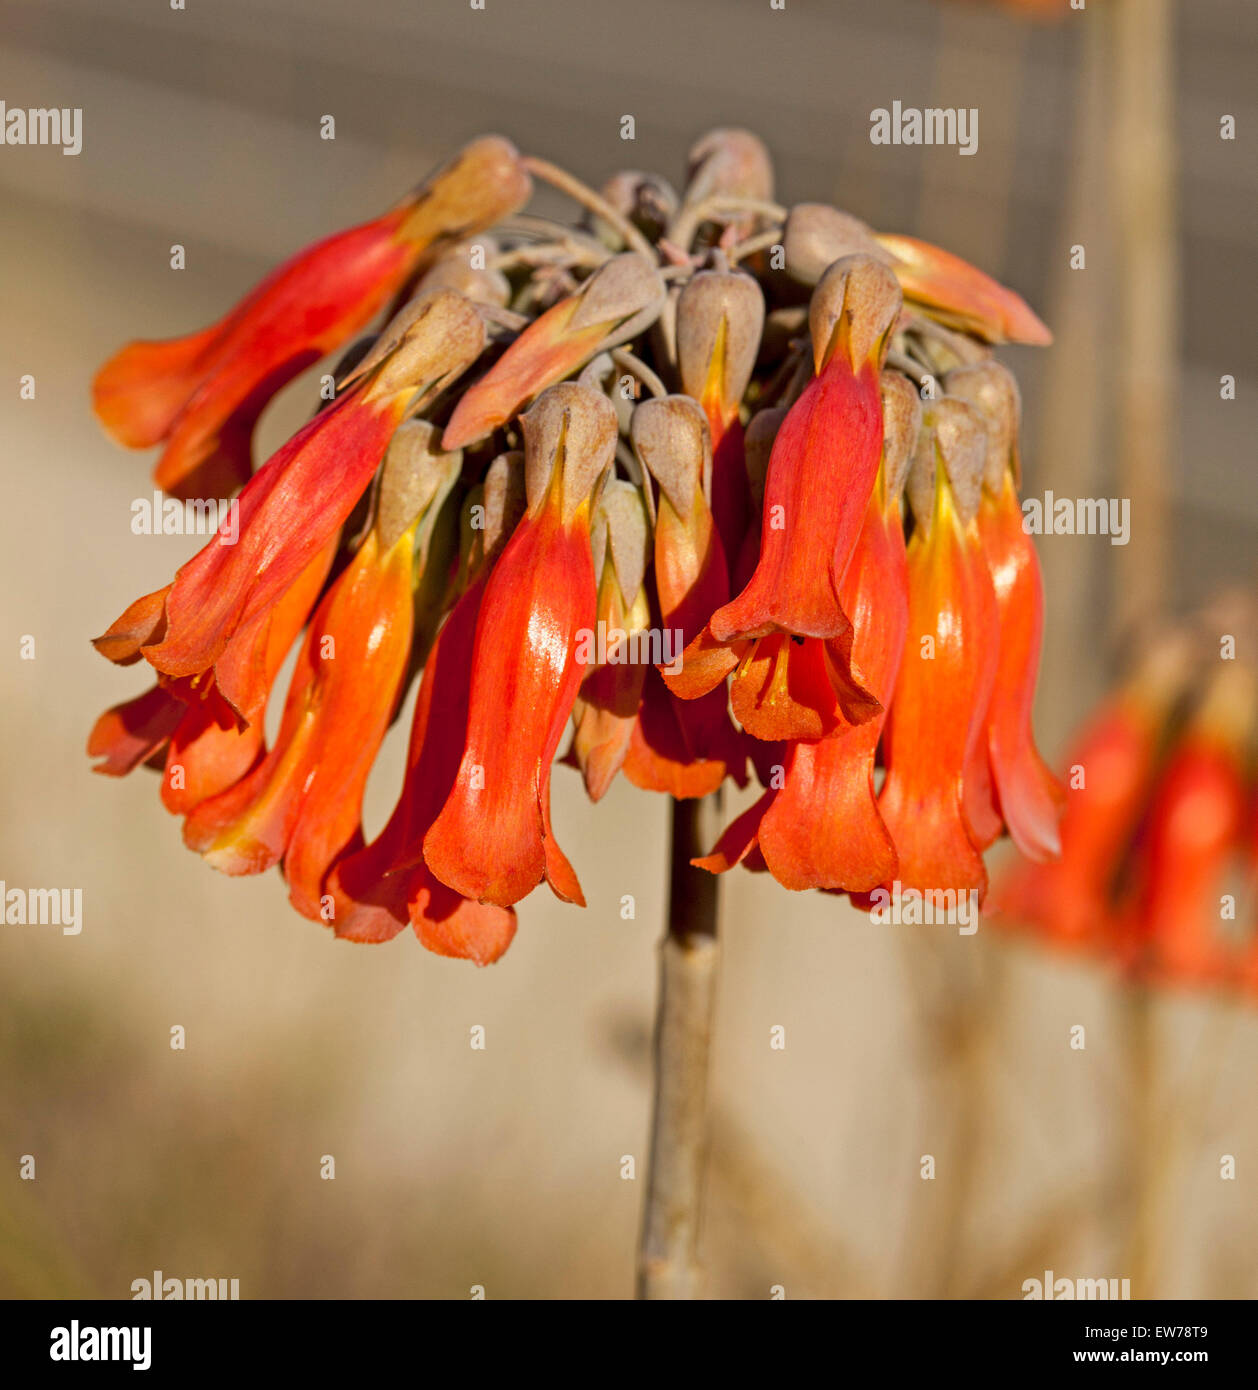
{"type": "Point", "coordinates": [722, 483]}
{"type": "Point", "coordinates": [1159, 859]}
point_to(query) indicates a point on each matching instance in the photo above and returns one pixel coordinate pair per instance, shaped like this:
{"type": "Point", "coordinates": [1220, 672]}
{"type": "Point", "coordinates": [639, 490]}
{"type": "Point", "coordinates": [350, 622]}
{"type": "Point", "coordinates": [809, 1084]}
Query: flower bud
{"type": "Point", "coordinates": [953, 435]}
{"type": "Point", "coordinates": [671, 437]}
{"type": "Point", "coordinates": [901, 425]}
{"type": "Point", "coordinates": [817, 235]}
{"type": "Point", "coordinates": [855, 308]}
{"type": "Point", "coordinates": [720, 316]}
{"type": "Point", "coordinates": [993, 391]}
{"type": "Point", "coordinates": [571, 432]}
{"type": "Point", "coordinates": [414, 471]}
{"type": "Point", "coordinates": [731, 163]}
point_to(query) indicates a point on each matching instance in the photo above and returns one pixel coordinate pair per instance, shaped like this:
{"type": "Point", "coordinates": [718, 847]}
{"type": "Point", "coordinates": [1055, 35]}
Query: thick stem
{"type": "Point", "coordinates": [668, 1259]}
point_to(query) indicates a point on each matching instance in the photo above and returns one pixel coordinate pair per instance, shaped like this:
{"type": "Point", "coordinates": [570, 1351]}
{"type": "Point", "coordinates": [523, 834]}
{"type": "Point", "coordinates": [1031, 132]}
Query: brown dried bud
{"type": "Point", "coordinates": [485, 182]}
{"type": "Point", "coordinates": [720, 316]}
{"type": "Point", "coordinates": [646, 200]}
{"type": "Point", "coordinates": [463, 267]}
{"type": "Point", "coordinates": [854, 310]}
{"type": "Point", "coordinates": [762, 430]}
{"type": "Point", "coordinates": [817, 235]}
{"type": "Point", "coordinates": [428, 342]}
{"type": "Point", "coordinates": [992, 389]}
{"type": "Point", "coordinates": [504, 500]}
{"type": "Point", "coordinates": [728, 162]}
{"type": "Point", "coordinates": [622, 529]}
{"type": "Point", "coordinates": [414, 471]}
{"type": "Point", "coordinates": [953, 436]}
{"type": "Point", "coordinates": [570, 431]}
{"type": "Point", "coordinates": [670, 435]}
{"type": "Point", "coordinates": [627, 291]}
{"type": "Point", "coordinates": [901, 425]}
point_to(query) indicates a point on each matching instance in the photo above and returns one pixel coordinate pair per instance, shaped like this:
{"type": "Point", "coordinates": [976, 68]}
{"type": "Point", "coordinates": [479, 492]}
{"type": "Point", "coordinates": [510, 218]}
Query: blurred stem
{"type": "Point", "coordinates": [1144, 1139]}
{"type": "Point", "coordinates": [668, 1259]}
{"type": "Point", "coordinates": [1144, 178]}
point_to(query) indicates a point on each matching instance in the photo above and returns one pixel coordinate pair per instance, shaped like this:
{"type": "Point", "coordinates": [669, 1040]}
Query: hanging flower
{"type": "Point", "coordinates": [1156, 872]}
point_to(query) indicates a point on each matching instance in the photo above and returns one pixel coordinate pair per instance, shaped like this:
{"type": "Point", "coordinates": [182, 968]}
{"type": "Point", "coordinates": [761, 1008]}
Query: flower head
{"type": "Point", "coordinates": [639, 476]}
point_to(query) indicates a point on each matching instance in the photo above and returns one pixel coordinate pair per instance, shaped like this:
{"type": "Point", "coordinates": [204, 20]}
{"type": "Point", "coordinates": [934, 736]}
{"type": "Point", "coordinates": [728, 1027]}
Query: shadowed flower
{"type": "Point", "coordinates": [1007, 782]}
{"type": "Point", "coordinates": [720, 317]}
{"type": "Point", "coordinates": [685, 749]}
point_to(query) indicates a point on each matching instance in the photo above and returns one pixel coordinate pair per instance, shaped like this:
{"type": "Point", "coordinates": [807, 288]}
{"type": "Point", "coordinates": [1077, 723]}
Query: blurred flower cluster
{"type": "Point", "coordinates": [730, 487]}
{"type": "Point", "coordinates": [1159, 859]}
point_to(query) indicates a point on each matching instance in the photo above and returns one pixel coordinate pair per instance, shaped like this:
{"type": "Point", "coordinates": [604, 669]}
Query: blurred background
{"type": "Point", "coordinates": [502, 1167]}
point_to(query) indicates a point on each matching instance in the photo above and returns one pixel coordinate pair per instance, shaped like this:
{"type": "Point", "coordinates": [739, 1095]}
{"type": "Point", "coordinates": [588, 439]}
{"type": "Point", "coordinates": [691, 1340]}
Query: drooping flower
{"type": "Point", "coordinates": [1007, 782]}
{"type": "Point", "coordinates": [289, 510]}
{"type": "Point", "coordinates": [492, 840]}
{"type": "Point", "coordinates": [820, 826]}
{"type": "Point", "coordinates": [605, 714]}
{"type": "Point", "coordinates": [720, 318]}
{"type": "Point", "coordinates": [377, 888]}
{"type": "Point", "coordinates": [301, 804]}
{"type": "Point", "coordinates": [201, 395]}
{"type": "Point", "coordinates": [683, 748]}
{"type": "Point", "coordinates": [940, 703]}
{"type": "Point", "coordinates": [619, 301]}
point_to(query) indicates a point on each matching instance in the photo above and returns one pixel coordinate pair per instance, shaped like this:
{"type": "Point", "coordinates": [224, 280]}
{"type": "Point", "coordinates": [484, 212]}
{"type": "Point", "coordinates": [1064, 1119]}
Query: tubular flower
{"type": "Point", "coordinates": [820, 826]}
{"type": "Point", "coordinates": [615, 304]}
{"type": "Point", "coordinates": [720, 317]}
{"type": "Point", "coordinates": [637, 475]}
{"type": "Point", "coordinates": [684, 748]}
{"type": "Point", "coordinates": [492, 839]}
{"type": "Point", "coordinates": [824, 462]}
{"type": "Point", "coordinates": [301, 804]}
{"type": "Point", "coordinates": [946, 678]}
{"type": "Point", "coordinates": [1156, 869]}
{"type": "Point", "coordinates": [200, 396]}
{"type": "Point", "coordinates": [1008, 783]}
{"type": "Point", "coordinates": [298, 500]}
{"type": "Point", "coordinates": [376, 889]}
